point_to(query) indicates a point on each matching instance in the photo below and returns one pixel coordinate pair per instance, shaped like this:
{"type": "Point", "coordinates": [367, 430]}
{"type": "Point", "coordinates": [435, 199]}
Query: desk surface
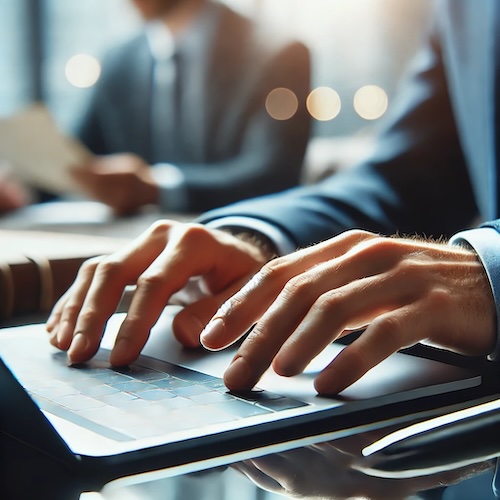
{"type": "Point", "coordinates": [83, 217]}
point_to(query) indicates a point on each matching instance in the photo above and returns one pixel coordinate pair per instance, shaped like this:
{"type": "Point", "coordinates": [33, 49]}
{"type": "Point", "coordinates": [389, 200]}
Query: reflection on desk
{"type": "Point", "coordinates": [321, 471]}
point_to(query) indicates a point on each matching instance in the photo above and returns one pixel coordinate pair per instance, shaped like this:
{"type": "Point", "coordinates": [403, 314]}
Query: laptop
{"type": "Point", "coordinates": [171, 409]}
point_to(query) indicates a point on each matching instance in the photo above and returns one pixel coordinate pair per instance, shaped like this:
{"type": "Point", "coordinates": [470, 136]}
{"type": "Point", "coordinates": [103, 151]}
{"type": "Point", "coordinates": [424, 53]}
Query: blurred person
{"type": "Point", "coordinates": [178, 117]}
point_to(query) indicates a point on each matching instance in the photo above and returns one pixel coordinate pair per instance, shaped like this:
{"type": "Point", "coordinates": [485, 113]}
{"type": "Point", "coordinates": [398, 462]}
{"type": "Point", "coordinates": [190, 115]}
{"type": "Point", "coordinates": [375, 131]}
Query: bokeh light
{"type": "Point", "coordinates": [82, 70]}
{"type": "Point", "coordinates": [371, 102]}
{"type": "Point", "coordinates": [324, 104]}
{"type": "Point", "coordinates": [281, 103]}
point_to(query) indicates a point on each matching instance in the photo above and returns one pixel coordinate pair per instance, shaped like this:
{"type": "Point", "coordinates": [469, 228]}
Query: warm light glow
{"type": "Point", "coordinates": [371, 102]}
{"type": "Point", "coordinates": [323, 103]}
{"type": "Point", "coordinates": [281, 104]}
{"type": "Point", "coordinates": [82, 70]}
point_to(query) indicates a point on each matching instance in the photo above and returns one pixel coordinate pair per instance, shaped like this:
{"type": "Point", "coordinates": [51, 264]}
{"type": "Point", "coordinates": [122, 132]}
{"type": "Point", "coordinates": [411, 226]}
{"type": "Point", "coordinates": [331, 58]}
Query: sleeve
{"type": "Point", "coordinates": [415, 182]}
{"type": "Point", "coordinates": [268, 157]}
{"type": "Point", "coordinates": [485, 241]}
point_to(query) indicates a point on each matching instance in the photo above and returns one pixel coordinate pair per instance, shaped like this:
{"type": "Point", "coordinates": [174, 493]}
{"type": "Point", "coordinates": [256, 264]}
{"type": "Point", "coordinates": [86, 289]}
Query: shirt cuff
{"type": "Point", "coordinates": [486, 243]}
{"type": "Point", "coordinates": [172, 183]}
{"type": "Point", "coordinates": [283, 244]}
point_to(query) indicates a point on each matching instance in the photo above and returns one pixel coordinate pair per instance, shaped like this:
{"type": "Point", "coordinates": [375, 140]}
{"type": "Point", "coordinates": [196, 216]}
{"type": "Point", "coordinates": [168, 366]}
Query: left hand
{"type": "Point", "coordinates": [404, 291]}
{"type": "Point", "coordinates": [121, 181]}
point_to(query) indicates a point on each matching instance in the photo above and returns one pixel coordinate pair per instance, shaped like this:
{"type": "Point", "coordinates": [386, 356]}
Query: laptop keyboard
{"type": "Point", "coordinates": [146, 399]}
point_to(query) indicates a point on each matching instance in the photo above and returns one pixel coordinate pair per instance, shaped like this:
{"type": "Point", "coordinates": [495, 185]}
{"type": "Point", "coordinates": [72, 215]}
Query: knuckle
{"type": "Point", "coordinates": [439, 299]}
{"type": "Point", "coordinates": [275, 270]}
{"type": "Point", "coordinates": [89, 266]}
{"type": "Point", "coordinates": [108, 267]}
{"type": "Point", "coordinates": [358, 234]}
{"type": "Point", "coordinates": [159, 228]}
{"type": "Point", "coordinates": [151, 280]}
{"type": "Point", "coordinates": [329, 301]}
{"type": "Point", "coordinates": [380, 247]}
{"type": "Point", "coordinates": [71, 310]}
{"type": "Point", "coordinates": [388, 328]}
{"type": "Point", "coordinates": [87, 315]}
{"type": "Point", "coordinates": [297, 286]}
{"type": "Point", "coordinates": [192, 234]}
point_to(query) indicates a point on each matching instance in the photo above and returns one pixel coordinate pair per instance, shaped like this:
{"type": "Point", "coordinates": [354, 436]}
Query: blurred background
{"type": "Point", "coordinates": [50, 50]}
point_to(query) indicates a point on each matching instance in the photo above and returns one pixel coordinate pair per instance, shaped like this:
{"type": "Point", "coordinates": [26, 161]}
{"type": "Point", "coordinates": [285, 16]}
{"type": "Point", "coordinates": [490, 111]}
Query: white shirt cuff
{"type": "Point", "coordinates": [283, 244]}
{"type": "Point", "coordinates": [486, 243]}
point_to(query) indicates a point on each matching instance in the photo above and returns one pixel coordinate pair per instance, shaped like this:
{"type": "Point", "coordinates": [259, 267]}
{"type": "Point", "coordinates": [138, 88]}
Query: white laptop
{"type": "Point", "coordinates": [170, 408]}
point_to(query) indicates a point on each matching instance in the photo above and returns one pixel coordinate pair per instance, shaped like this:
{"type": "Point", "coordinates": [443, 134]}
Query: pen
{"type": "Point", "coordinates": [446, 442]}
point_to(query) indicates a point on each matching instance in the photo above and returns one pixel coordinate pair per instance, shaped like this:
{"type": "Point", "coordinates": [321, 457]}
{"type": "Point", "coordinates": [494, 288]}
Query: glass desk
{"type": "Point", "coordinates": [322, 471]}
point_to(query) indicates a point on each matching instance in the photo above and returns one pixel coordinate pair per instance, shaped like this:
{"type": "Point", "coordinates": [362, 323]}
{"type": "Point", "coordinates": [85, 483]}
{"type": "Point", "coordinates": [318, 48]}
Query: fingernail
{"type": "Point", "coordinates": [120, 352]}
{"type": "Point", "coordinates": [237, 376]}
{"type": "Point", "coordinates": [78, 345]}
{"type": "Point", "coordinates": [327, 385]}
{"type": "Point", "coordinates": [50, 323]}
{"type": "Point", "coordinates": [213, 334]}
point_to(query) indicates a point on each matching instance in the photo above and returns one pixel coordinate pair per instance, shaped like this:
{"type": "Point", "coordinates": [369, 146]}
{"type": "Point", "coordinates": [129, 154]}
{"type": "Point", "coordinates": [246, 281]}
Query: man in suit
{"type": "Point", "coordinates": [187, 96]}
{"type": "Point", "coordinates": [434, 173]}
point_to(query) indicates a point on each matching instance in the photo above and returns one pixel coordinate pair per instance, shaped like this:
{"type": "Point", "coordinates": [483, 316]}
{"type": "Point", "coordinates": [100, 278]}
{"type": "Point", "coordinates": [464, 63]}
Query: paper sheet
{"type": "Point", "coordinates": [39, 153]}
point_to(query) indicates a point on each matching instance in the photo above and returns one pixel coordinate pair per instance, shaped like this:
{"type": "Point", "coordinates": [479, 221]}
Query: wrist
{"type": "Point", "coordinates": [264, 246]}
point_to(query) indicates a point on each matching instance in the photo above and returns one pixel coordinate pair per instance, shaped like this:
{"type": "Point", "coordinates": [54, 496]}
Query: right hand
{"type": "Point", "coordinates": [124, 182]}
{"type": "Point", "coordinates": [161, 262]}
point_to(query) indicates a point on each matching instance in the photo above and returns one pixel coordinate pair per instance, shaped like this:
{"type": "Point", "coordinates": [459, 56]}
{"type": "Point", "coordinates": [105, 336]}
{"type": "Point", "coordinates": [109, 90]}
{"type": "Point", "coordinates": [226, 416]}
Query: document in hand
{"type": "Point", "coordinates": [40, 154]}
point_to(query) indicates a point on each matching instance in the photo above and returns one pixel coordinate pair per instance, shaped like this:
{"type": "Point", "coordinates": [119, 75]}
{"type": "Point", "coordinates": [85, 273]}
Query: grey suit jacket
{"type": "Point", "coordinates": [230, 148]}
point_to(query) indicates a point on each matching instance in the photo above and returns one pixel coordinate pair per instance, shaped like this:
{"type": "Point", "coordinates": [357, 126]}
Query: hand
{"type": "Point", "coordinates": [161, 262]}
{"type": "Point", "coordinates": [122, 181]}
{"type": "Point", "coordinates": [404, 291]}
{"type": "Point", "coordinates": [329, 470]}
{"type": "Point", "coordinates": [13, 194]}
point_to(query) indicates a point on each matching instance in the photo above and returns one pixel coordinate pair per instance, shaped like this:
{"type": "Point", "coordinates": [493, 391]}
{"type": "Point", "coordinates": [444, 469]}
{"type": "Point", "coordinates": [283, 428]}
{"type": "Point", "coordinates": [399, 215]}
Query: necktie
{"type": "Point", "coordinates": [164, 110]}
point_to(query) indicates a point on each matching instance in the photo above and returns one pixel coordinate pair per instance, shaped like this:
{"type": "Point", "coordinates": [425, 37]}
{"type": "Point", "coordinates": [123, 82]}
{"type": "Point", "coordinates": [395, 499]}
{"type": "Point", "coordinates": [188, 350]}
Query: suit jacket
{"type": "Point", "coordinates": [434, 170]}
{"type": "Point", "coordinates": [230, 147]}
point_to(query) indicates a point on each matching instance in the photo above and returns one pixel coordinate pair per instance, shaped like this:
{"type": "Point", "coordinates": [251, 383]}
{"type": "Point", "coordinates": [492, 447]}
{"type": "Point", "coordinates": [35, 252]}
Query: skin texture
{"type": "Point", "coordinates": [404, 291]}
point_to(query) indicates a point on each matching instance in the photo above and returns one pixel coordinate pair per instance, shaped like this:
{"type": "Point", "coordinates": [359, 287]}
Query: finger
{"type": "Point", "coordinates": [192, 319]}
{"type": "Point", "coordinates": [109, 280]}
{"type": "Point", "coordinates": [243, 309]}
{"type": "Point", "coordinates": [337, 311]}
{"type": "Point", "coordinates": [384, 336]}
{"type": "Point", "coordinates": [65, 313]}
{"type": "Point", "coordinates": [261, 479]}
{"type": "Point", "coordinates": [297, 326]}
{"type": "Point", "coordinates": [180, 261]}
